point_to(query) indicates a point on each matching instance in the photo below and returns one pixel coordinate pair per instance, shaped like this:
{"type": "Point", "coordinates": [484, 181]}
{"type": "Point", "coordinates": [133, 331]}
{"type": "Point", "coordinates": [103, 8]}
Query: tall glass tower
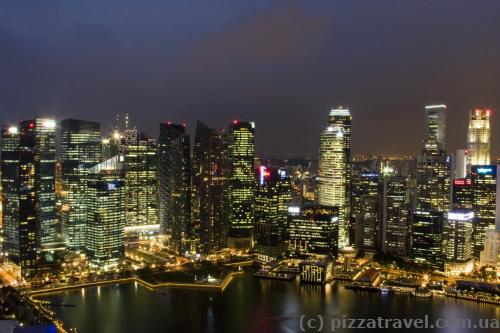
{"type": "Point", "coordinates": [241, 184]}
{"type": "Point", "coordinates": [29, 184]}
{"type": "Point", "coordinates": [433, 169]}
{"type": "Point", "coordinates": [210, 187]}
{"type": "Point", "coordinates": [174, 176]}
{"type": "Point", "coordinates": [272, 197]}
{"type": "Point", "coordinates": [80, 150]}
{"type": "Point", "coordinates": [10, 191]}
{"type": "Point", "coordinates": [105, 201]}
{"type": "Point", "coordinates": [140, 166]}
{"type": "Point", "coordinates": [335, 168]}
{"type": "Point", "coordinates": [478, 137]}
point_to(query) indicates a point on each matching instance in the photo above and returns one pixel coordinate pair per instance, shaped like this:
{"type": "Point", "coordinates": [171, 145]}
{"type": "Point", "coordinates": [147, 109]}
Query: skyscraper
{"type": "Point", "coordinates": [37, 147]}
{"type": "Point", "coordinates": [363, 184]}
{"type": "Point", "coordinates": [105, 201]}
{"type": "Point", "coordinates": [210, 187]}
{"type": "Point", "coordinates": [427, 238]}
{"type": "Point", "coordinates": [478, 137]}
{"type": "Point", "coordinates": [80, 150]}
{"type": "Point", "coordinates": [368, 223]}
{"type": "Point", "coordinates": [457, 242]}
{"type": "Point", "coordinates": [140, 168]}
{"type": "Point", "coordinates": [433, 168]}
{"type": "Point", "coordinates": [10, 191]}
{"type": "Point", "coordinates": [272, 197]}
{"type": "Point", "coordinates": [174, 176]}
{"type": "Point", "coordinates": [313, 230]}
{"type": "Point", "coordinates": [334, 174]}
{"type": "Point", "coordinates": [395, 215]}
{"type": "Point", "coordinates": [484, 180]}
{"type": "Point", "coordinates": [28, 180]}
{"type": "Point", "coordinates": [241, 184]}
{"type": "Point", "coordinates": [435, 116]}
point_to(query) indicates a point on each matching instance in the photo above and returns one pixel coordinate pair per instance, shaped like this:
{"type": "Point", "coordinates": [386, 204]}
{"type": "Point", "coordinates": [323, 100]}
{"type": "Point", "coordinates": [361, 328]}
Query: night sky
{"type": "Point", "coordinates": [282, 64]}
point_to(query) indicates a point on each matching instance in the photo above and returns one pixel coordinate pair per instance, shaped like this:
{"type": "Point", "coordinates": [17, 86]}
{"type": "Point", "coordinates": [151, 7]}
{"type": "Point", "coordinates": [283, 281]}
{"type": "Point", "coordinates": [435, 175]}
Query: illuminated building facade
{"type": "Point", "coordinates": [174, 176]}
{"type": "Point", "coordinates": [433, 168]}
{"type": "Point", "coordinates": [395, 215]}
{"type": "Point", "coordinates": [10, 191]}
{"type": "Point", "coordinates": [38, 161]}
{"type": "Point", "coordinates": [463, 193]}
{"type": "Point", "coordinates": [140, 167]}
{"type": "Point", "coordinates": [241, 184]}
{"type": "Point", "coordinates": [458, 228]}
{"type": "Point", "coordinates": [484, 179]}
{"type": "Point", "coordinates": [80, 150]}
{"type": "Point", "coordinates": [105, 201]}
{"type": "Point", "coordinates": [272, 197]}
{"type": "Point", "coordinates": [478, 137]}
{"type": "Point", "coordinates": [364, 184]}
{"type": "Point", "coordinates": [334, 171]}
{"type": "Point", "coordinates": [28, 181]}
{"type": "Point", "coordinates": [313, 230]}
{"type": "Point", "coordinates": [210, 187]}
{"type": "Point", "coordinates": [427, 238]}
{"type": "Point", "coordinates": [368, 223]}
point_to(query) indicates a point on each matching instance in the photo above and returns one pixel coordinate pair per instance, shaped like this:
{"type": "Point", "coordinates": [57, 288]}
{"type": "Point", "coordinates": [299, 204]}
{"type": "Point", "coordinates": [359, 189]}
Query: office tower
{"type": "Point", "coordinates": [141, 197]}
{"type": "Point", "coordinates": [105, 201]}
{"type": "Point", "coordinates": [80, 150]}
{"type": "Point", "coordinates": [484, 202]}
{"type": "Point", "coordinates": [174, 176]}
{"type": "Point", "coordinates": [334, 172]}
{"type": "Point", "coordinates": [38, 165]}
{"type": "Point", "coordinates": [210, 187]}
{"type": "Point", "coordinates": [368, 223]}
{"type": "Point", "coordinates": [478, 137]}
{"type": "Point", "coordinates": [272, 197]}
{"type": "Point", "coordinates": [395, 215]}
{"type": "Point", "coordinates": [313, 230]}
{"type": "Point", "coordinates": [463, 193]}
{"type": "Point", "coordinates": [457, 239]}
{"type": "Point", "coordinates": [459, 168]}
{"type": "Point", "coordinates": [433, 169]}
{"type": "Point", "coordinates": [427, 238]}
{"type": "Point", "coordinates": [241, 184]}
{"type": "Point", "coordinates": [28, 180]}
{"type": "Point", "coordinates": [363, 184]}
{"type": "Point", "coordinates": [9, 158]}
{"type": "Point", "coordinates": [435, 116]}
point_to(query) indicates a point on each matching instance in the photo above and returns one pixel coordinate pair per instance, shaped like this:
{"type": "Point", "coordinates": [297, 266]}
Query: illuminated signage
{"type": "Point", "coordinates": [111, 186]}
{"type": "Point", "coordinates": [484, 170]}
{"type": "Point", "coordinates": [462, 181]}
{"type": "Point", "coordinates": [454, 216]}
{"type": "Point", "coordinates": [293, 210]}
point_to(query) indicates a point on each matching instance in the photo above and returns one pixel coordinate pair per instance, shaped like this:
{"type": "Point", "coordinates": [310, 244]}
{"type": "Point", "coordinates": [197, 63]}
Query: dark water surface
{"type": "Point", "coordinates": [248, 305]}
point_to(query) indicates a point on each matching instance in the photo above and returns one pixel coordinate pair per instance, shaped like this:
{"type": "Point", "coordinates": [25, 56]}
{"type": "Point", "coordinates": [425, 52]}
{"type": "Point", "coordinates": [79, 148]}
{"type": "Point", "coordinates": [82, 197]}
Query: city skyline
{"type": "Point", "coordinates": [379, 59]}
{"type": "Point", "coordinates": [249, 166]}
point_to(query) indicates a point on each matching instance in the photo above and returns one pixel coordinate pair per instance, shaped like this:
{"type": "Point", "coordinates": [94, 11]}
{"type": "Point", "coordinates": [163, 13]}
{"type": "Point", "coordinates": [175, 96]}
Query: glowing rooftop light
{"type": "Point", "coordinates": [49, 123]}
{"type": "Point", "coordinates": [13, 130]}
{"type": "Point", "coordinates": [340, 112]}
{"type": "Point", "coordinates": [435, 106]}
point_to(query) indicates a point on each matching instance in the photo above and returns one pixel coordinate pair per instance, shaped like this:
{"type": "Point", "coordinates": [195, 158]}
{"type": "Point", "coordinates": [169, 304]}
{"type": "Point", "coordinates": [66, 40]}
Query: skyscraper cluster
{"type": "Point", "coordinates": [127, 189]}
{"type": "Point", "coordinates": [437, 212]}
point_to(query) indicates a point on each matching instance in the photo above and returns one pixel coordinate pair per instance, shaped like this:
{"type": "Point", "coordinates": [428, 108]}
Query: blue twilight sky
{"type": "Point", "coordinates": [282, 64]}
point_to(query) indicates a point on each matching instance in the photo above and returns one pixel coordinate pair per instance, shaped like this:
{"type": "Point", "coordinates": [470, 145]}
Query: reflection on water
{"type": "Point", "coordinates": [247, 305]}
